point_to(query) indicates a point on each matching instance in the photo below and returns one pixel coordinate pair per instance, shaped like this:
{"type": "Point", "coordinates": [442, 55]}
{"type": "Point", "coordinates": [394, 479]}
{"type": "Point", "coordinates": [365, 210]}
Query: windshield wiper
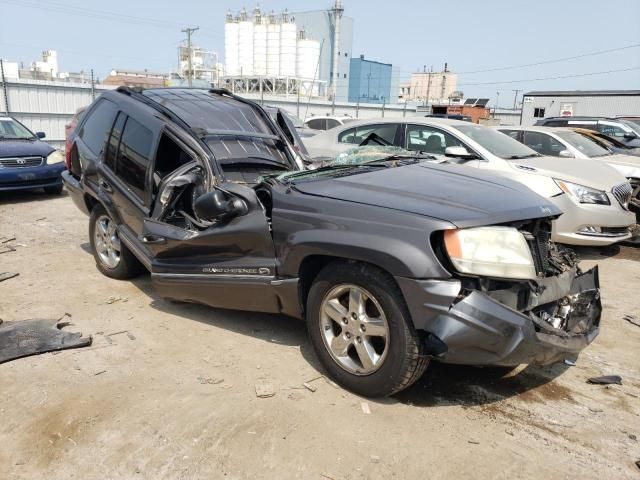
{"type": "Point", "coordinates": [521, 157]}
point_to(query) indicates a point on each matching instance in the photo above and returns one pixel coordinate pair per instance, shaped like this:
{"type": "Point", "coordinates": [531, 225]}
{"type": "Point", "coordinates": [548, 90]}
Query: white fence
{"type": "Point", "coordinates": [46, 106]}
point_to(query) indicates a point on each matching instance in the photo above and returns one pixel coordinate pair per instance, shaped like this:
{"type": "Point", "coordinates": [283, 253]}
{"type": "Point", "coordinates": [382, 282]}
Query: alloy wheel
{"type": "Point", "coordinates": [107, 242]}
{"type": "Point", "coordinates": [354, 329]}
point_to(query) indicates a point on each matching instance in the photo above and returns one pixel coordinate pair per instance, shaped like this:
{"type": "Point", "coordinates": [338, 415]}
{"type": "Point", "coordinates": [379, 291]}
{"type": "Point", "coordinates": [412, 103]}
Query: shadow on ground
{"type": "Point", "coordinates": [28, 196]}
{"type": "Point", "coordinates": [442, 385]}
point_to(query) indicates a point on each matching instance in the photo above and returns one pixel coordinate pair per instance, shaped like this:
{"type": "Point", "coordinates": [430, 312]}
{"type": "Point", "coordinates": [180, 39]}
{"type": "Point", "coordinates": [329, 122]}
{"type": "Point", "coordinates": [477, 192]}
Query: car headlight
{"type": "Point", "coordinates": [55, 157]}
{"type": "Point", "coordinates": [500, 252]}
{"type": "Point", "coordinates": [584, 194]}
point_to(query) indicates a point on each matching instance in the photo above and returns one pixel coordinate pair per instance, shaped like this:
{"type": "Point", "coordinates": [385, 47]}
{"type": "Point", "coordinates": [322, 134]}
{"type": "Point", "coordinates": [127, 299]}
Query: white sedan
{"type": "Point", "coordinates": [593, 195]}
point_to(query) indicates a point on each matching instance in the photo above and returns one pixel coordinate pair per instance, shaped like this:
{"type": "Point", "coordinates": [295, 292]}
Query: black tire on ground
{"type": "Point", "coordinates": [55, 190]}
{"type": "Point", "coordinates": [128, 266]}
{"type": "Point", "coordinates": [405, 361]}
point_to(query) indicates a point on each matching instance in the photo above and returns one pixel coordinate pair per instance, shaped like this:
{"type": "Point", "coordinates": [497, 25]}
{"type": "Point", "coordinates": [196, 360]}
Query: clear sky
{"type": "Point", "coordinates": [470, 35]}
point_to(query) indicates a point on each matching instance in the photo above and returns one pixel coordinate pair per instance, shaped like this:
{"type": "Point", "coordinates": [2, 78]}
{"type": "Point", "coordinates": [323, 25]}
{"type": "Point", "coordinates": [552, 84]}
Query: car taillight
{"type": "Point", "coordinates": [67, 155]}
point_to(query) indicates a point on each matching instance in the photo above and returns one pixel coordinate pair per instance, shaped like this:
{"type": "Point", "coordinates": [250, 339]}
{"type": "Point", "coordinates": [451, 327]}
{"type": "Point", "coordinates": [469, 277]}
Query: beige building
{"type": "Point", "coordinates": [430, 86]}
{"type": "Point", "coordinates": [135, 78]}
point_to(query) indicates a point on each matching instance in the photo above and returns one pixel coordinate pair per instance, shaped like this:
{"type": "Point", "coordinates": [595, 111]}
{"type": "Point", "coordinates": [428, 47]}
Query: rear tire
{"type": "Point", "coordinates": [55, 190]}
{"type": "Point", "coordinates": [373, 349]}
{"type": "Point", "coordinates": [113, 258]}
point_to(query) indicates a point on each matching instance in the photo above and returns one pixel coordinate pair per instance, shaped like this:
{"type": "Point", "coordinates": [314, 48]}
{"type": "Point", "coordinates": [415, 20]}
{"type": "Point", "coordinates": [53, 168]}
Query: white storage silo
{"type": "Point", "coordinates": [288, 40]}
{"type": "Point", "coordinates": [245, 44]}
{"type": "Point", "coordinates": [308, 56]}
{"type": "Point", "coordinates": [273, 46]}
{"type": "Point", "coordinates": [259, 44]}
{"type": "Point", "coordinates": [231, 46]}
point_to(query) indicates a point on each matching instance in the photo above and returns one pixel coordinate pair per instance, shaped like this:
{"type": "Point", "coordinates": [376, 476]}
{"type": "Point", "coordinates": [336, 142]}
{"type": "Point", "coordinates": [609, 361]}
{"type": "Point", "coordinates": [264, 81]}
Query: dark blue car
{"type": "Point", "coordinates": [27, 162]}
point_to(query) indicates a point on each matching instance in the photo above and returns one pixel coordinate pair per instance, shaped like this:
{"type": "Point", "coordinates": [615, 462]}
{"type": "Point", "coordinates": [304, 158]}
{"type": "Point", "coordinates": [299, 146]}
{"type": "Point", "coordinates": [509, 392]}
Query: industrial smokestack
{"type": "Point", "coordinates": [337, 18]}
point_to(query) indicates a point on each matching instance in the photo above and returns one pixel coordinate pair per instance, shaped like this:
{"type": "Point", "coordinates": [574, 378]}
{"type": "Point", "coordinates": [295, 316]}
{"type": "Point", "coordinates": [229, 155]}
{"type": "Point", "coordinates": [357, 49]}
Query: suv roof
{"type": "Point", "coordinates": [579, 118]}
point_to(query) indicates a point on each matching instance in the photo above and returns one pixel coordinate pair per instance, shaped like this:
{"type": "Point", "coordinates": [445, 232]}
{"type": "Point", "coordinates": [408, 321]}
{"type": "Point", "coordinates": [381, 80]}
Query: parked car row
{"type": "Point", "coordinates": [391, 258]}
{"type": "Point", "coordinates": [594, 196]}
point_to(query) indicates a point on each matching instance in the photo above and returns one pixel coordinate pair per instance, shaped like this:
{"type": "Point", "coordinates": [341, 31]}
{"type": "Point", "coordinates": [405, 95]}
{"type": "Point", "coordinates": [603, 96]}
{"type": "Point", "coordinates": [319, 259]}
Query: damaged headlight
{"type": "Point", "coordinates": [500, 252]}
{"type": "Point", "coordinates": [584, 194]}
{"type": "Point", "coordinates": [55, 157]}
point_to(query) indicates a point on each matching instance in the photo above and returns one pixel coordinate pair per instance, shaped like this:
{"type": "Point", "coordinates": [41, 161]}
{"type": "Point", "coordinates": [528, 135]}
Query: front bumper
{"type": "Point", "coordinates": [31, 177]}
{"type": "Point", "coordinates": [484, 329]}
{"type": "Point", "coordinates": [612, 218]}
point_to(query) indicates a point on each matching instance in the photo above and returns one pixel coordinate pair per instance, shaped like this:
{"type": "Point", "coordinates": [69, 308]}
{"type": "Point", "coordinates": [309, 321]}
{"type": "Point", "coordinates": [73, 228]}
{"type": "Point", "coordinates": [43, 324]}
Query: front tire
{"type": "Point", "coordinates": [113, 258]}
{"type": "Point", "coordinates": [361, 330]}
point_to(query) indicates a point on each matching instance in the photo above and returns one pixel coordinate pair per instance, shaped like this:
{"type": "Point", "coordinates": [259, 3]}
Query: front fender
{"type": "Point", "coordinates": [397, 242]}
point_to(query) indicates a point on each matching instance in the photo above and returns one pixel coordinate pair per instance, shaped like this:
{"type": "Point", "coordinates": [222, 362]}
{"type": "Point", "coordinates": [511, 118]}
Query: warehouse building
{"type": "Point", "coordinates": [372, 82]}
{"type": "Point", "coordinates": [597, 103]}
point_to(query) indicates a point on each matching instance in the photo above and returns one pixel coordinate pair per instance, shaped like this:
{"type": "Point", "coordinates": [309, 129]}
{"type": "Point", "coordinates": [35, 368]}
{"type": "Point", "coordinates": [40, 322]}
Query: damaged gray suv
{"type": "Point", "coordinates": [392, 261]}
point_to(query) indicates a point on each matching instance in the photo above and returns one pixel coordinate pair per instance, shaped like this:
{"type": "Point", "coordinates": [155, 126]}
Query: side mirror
{"type": "Point", "coordinates": [216, 206]}
{"type": "Point", "coordinates": [458, 152]}
{"type": "Point", "coordinates": [41, 134]}
{"type": "Point", "coordinates": [565, 154]}
{"type": "Point", "coordinates": [630, 135]}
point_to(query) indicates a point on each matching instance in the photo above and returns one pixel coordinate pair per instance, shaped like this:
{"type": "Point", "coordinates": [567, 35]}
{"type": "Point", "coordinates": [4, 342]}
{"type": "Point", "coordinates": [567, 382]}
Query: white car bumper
{"type": "Point", "coordinates": [611, 222]}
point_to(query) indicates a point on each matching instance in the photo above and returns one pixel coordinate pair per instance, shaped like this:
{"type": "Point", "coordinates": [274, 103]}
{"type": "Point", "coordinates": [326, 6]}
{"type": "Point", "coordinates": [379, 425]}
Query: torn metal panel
{"type": "Point", "coordinates": [33, 337]}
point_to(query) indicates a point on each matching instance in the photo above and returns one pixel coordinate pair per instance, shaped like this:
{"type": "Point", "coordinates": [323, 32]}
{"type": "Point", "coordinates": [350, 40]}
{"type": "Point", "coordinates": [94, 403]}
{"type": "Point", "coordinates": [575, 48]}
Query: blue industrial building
{"type": "Point", "coordinates": [372, 82]}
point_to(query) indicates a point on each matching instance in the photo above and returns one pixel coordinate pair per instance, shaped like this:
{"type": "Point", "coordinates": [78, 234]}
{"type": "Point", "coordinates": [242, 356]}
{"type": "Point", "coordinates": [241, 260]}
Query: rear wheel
{"type": "Point", "coordinates": [113, 258]}
{"type": "Point", "coordinates": [361, 330]}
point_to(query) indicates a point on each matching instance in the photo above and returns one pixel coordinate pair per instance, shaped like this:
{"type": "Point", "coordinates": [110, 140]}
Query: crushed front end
{"type": "Point", "coordinates": [486, 320]}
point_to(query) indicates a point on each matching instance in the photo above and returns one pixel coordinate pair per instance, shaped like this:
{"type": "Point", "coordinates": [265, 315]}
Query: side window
{"type": "Point", "coordinates": [347, 136]}
{"type": "Point", "coordinates": [332, 123]}
{"type": "Point", "coordinates": [97, 125]}
{"type": "Point", "coordinates": [538, 112]}
{"type": "Point", "coordinates": [515, 134]}
{"type": "Point", "coordinates": [114, 142]}
{"type": "Point", "coordinates": [543, 144]}
{"type": "Point", "coordinates": [133, 155]}
{"type": "Point", "coordinates": [611, 130]}
{"type": "Point", "coordinates": [317, 124]}
{"type": "Point", "coordinates": [427, 139]}
{"type": "Point", "coordinates": [169, 158]}
{"type": "Point", "coordinates": [555, 123]}
{"type": "Point", "coordinates": [387, 131]}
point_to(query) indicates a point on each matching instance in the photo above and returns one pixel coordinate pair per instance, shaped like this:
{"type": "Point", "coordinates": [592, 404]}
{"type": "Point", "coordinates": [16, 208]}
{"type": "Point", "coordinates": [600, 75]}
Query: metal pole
{"type": "Point", "coordinates": [315, 74]}
{"type": "Point", "coordinates": [4, 88]}
{"type": "Point", "coordinates": [384, 104]}
{"type": "Point", "coordinates": [93, 86]}
{"type": "Point", "coordinates": [189, 31]}
{"type": "Point", "coordinates": [404, 109]}
{"type": "Point", "coordinates": [337, 16]}
{"type": "Point", "coordinates": [358, 108]}
{"type": "Point", "coordinates": [298, 99]}
{"type": "Point", "coordinates": [515, 99]}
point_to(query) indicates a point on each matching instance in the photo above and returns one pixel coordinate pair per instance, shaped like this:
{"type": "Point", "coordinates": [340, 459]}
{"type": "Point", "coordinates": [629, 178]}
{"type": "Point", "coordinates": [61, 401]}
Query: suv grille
{"type": "Point", "coordinates": [20, 162]}
{"type": "Point", "coordinates": [623, 193]}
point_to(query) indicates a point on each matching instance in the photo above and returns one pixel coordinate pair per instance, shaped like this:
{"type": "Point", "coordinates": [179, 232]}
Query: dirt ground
{"type": "Point", "coordinates": [173, 396]}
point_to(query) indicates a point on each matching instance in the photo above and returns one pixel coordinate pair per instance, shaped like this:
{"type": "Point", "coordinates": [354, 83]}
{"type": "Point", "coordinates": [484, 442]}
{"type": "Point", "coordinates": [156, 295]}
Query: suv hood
{"type": "Point", "coordinates": [24, 148]}
{"type": "Point", "coordinates": [452, 193]}
{"type": "Point", "coordinates": [592, 173]}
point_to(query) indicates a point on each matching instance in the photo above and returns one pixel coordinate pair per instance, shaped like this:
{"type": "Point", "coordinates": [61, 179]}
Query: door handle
{"type": "Point", "coordinates": [105, 186]}
{"type": "Point", "coordinates": [153, 240]}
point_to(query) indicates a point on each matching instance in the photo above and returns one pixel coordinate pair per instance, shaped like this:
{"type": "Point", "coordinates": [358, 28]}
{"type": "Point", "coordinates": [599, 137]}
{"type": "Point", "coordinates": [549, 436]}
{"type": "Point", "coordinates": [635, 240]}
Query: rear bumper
{"type": "Point", "coordinates": [477, 329]}
{"type": "Point", "coordinates": [31, 177]}
{"type": "Point", "coordinates": [76, 191]}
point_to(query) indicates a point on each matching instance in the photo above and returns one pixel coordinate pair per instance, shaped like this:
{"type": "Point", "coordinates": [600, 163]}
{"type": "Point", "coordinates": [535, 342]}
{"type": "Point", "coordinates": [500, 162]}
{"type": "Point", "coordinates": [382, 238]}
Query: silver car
{"type": "Point", "coordinates": [593, 195]}
{"type": "Point", "coordinates": [567, 143]}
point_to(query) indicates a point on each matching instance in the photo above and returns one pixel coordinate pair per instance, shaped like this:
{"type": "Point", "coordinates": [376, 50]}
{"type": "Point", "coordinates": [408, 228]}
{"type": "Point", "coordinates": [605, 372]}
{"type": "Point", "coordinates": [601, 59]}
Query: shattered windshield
{"type": "Point", "coordinates": [358, 159]}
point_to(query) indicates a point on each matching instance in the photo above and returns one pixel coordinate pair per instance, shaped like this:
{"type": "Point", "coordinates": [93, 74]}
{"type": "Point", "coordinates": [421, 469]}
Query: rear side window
{"type": "Point", "coordinates": [133, 155]}
{"type": "Point", "coordinates": [386, 131]}
{"type": "Point", "coordinates": [331, 123]}
{"type": "Point", "coordinates": [114, 142]}
{"type": "Point", "coordinates": [317, 124]}
{"type": "Point", "coordinates": [543, 144]}
{"type": "Point", "coordinates": [97, 126]}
